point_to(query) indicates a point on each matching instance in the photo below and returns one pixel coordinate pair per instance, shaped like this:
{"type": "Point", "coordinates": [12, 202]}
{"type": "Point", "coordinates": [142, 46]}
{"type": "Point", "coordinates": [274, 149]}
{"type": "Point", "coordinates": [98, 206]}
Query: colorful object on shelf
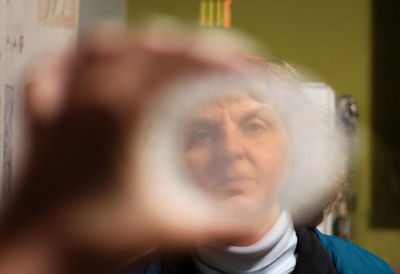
{"type": "Point", "coordinates": [215, 13]}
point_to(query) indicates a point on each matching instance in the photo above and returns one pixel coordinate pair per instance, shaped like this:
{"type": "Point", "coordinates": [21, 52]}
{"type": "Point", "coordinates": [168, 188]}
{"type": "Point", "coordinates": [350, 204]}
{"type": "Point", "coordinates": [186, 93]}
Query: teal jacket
{"type": "Point", "coordinates": [341, 257]}
{"type": "Point", "coordinates": [349, 258]}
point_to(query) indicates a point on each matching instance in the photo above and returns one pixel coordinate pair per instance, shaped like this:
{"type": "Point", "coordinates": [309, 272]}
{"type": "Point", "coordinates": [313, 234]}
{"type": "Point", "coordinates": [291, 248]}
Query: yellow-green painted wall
{"type": "Point", "coordinates": [330, 38]}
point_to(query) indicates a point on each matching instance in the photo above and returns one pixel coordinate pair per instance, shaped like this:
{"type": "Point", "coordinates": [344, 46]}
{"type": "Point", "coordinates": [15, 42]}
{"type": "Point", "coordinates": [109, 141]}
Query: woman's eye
{"type": "Point", "coordinates": [255, 127]}
{"type": "Point", "coordinates": [200, 137]}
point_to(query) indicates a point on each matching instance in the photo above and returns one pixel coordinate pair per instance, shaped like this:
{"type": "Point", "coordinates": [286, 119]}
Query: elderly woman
{"type": "Point", "coordinates": [92, 198]}
{"type": "Point", "coordinates": [256, 146]}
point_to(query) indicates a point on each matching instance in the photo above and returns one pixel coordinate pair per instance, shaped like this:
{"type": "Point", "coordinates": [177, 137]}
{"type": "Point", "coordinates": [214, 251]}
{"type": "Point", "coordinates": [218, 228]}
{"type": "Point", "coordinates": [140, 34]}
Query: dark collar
{"type": "Point", "coordinates": [312, 257]}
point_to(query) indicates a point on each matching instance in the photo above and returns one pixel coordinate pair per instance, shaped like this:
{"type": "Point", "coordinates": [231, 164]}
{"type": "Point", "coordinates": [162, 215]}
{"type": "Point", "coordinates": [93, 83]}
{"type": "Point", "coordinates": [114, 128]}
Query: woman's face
{"type": "Point", "coordinates": [235, 148]}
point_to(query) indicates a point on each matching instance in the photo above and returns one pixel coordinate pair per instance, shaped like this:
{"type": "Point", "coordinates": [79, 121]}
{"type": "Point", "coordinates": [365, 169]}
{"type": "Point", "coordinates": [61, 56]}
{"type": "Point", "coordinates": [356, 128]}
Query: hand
{"type": "Point", "coordinates": [84, 110]}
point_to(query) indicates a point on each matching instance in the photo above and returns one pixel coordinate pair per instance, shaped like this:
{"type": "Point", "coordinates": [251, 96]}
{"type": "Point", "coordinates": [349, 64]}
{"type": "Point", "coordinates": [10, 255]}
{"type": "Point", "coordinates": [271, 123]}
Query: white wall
{"type": "Point", "coordinates": [30, 30]}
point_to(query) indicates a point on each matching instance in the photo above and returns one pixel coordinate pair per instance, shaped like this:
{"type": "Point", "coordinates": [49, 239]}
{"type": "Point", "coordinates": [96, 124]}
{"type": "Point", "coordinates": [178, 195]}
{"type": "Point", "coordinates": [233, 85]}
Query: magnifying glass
{"type": "Point", "coordinates": [247, 146]}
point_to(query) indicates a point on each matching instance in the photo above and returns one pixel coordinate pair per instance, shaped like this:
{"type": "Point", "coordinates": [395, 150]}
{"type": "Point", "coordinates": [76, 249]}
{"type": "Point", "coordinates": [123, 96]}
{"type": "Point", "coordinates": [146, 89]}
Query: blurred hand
{"type": "Point", "coordinates": [85, 108]}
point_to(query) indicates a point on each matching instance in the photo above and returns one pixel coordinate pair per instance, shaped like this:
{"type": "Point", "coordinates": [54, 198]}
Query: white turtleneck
{"type": "Point", "coordinates": [273, 253]}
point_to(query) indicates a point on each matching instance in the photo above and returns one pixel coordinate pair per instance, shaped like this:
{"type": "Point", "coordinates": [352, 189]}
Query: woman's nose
{"type": "Point", "coordinates": [231, 145]}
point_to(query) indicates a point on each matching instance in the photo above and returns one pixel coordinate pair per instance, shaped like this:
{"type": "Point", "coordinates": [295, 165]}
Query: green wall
{"type": "Point", "coordinates": [332, 40]}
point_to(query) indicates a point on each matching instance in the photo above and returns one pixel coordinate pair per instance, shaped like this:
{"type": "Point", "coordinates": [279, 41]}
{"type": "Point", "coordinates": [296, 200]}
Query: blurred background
{"type": "Point", "coordinates": [350, 46]}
